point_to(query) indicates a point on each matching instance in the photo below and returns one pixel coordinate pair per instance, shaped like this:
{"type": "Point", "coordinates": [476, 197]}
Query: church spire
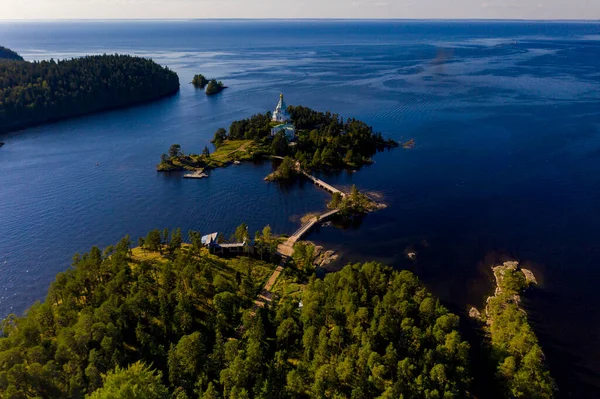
{"type": "Point", "coordinates": [281, 113]}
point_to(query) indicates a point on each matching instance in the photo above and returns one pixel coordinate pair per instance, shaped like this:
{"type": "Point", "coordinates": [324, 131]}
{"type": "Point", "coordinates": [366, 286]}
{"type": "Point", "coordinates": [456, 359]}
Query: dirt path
{"type": "Point", "coordinates": [241, 148]}
{"type": "Point", "coordinates": [266, 296]}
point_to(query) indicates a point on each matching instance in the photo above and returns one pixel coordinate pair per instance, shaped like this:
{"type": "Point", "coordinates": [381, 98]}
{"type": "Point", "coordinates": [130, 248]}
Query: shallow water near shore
{"type": "Point", "coordinates": [505, 119]}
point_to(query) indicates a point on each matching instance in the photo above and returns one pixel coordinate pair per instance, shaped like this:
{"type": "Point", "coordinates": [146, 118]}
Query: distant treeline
{"type": "Point", "coordinates": [39, 92]}
{"type": "Point", "coordinates": [8, 54]}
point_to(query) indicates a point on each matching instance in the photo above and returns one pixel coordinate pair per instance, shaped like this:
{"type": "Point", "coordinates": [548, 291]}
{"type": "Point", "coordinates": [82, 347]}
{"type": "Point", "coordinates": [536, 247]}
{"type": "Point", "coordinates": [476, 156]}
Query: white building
{"type": "Point", "coordinates": [281, 113]}
{"type": "Point", "coordinates": [288, 129]}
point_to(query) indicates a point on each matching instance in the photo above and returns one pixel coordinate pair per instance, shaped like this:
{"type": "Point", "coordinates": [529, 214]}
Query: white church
{"type": "Point", "coordinates": [282, 116]}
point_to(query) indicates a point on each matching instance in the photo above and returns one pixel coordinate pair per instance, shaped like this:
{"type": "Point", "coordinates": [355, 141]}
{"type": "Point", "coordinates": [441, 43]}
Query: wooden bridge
{"type": "Point", "coordinates": [322, 184]}
{"type": "Point", "coordinates": [317, 182]}
{"type": "Point", "coordinates": [287, 248]}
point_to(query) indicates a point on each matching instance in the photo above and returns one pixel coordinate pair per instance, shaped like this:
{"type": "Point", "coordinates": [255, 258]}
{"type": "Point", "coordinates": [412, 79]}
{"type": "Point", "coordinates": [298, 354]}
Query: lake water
{"type": "Point", "coordinates": [506, 119]}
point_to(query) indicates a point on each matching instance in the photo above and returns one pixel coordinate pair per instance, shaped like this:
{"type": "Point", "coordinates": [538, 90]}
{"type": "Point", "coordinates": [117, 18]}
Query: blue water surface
{"type": "Point", "coordinates": [505, 116]}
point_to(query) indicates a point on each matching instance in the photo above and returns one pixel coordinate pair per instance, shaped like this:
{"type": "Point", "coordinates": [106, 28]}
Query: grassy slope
{"type": "Point", "coordinates": [228, 152]}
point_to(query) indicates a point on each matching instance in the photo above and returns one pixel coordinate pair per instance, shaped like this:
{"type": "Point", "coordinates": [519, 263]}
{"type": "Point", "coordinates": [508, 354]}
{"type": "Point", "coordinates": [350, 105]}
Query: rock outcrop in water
{"type": "Point", "coordinates": [324, 257]}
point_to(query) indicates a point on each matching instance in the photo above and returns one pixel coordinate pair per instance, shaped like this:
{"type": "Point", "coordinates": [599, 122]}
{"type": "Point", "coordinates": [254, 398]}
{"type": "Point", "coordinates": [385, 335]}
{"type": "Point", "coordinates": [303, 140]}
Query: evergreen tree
{"type": "Point", "coordinates": [138, 381]}
{"type": "Point", "coordinates": [241, 233]}
{"type": "Point", "coordinates": [153, 240]}
{"type": "Point", "coordinates": [219, 137]}
{"type": "Point", "coordinates": [176, 240]}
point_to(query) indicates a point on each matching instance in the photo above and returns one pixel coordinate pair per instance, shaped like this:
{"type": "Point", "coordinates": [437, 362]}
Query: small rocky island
{"type": "Point", "coordinates": [288, 169]}
{"type": "Point", "coordinates": [210, 87]}
{"type": "Point", "coordinates": [199, 81]}
{"type": "Point", "coordinates": [214, 87]}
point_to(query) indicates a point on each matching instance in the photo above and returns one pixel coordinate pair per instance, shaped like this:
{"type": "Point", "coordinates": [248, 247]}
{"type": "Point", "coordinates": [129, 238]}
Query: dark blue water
{"type": "Point", "coordinates": [506, 118]}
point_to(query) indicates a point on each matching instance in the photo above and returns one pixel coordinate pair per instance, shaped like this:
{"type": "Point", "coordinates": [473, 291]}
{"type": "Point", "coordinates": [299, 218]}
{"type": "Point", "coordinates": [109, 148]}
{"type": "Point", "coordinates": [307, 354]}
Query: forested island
{"type": "Point", "coordinates": [214, 87]}
{"type": "Point", "coordinates": [211, 86]}
{"type": "Point", "coordinates": [323, 141]}
{"type": "Point", "coordinates": [172, 320]}
{"type": "Point", "coordinates": [8, 54]}
{"type": "Point", "coordinates": [353, 203]}
{"type": "Point", "coordinates": [199, 81]}
{"type": "Point", "coordinates": [33, 93]}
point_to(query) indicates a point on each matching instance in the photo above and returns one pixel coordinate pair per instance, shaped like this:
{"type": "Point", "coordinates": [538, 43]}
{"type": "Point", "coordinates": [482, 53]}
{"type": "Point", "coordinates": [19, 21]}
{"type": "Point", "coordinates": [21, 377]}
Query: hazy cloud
{"type": "Point", "coordinates": [105, 9]}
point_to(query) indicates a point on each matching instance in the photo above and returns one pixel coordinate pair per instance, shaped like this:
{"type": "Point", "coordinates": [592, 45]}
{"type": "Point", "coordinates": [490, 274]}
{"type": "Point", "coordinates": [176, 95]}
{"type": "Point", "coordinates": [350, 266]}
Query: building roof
{"type": "Point", "coordinates": [209, 239]}
{"type": "Point", "coordinates": [233, 245]}
{"type": "Point", "coordinates": [281, 105]}
{"type": "Point", "coordinates": [285, 126]}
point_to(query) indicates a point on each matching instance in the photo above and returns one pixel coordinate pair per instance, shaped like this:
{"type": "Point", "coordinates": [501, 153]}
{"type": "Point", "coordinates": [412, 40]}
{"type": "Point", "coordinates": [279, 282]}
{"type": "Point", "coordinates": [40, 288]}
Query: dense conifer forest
{"type": "Point", "coordinates": [33, 93]}
{"type": "Point", "coordinates": [180, 323]}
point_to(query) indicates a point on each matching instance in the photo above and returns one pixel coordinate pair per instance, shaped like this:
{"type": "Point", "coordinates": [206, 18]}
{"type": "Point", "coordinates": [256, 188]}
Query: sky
{"type": "Point", "coordinates": [409, 9]}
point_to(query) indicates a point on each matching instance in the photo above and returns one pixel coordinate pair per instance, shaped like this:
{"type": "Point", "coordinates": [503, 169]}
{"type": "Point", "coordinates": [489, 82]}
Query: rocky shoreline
{"type": "Point", "coordinates": [499, 275]}
{"type": "Point", "coordinates": [324, 257]}
{"type": "Point", "coordinates": [500, 272]}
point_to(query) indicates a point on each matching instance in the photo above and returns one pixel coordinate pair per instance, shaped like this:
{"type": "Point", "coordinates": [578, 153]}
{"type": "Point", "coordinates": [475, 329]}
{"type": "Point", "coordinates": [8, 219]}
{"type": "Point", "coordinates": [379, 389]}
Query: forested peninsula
{"type": "Point", "coordinates": [171, 320]}
{"type": "Point", "coordinates": [515, 349]}
{"type": "Point", "coordinates": [33, 93]}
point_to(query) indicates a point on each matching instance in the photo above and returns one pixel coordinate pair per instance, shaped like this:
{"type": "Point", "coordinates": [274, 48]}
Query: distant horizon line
{"type": "Point", "coordinates": [302, 19]}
